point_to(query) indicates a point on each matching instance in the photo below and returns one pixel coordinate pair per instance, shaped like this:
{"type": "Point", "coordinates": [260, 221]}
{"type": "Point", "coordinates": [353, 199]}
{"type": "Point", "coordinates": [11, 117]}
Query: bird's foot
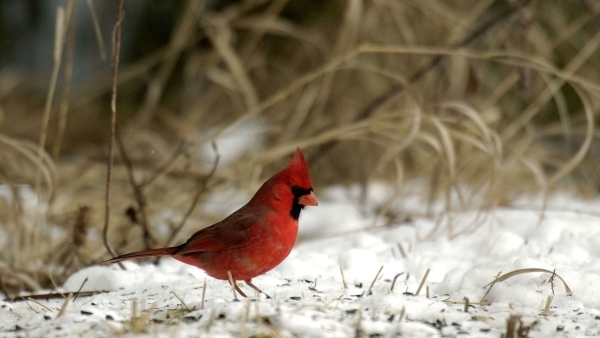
{"type": "Point", "coordinates": [249, 283]}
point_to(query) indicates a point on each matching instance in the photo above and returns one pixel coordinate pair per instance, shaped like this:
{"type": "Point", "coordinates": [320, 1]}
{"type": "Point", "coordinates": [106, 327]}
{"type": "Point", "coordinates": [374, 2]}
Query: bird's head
{"type": "Point", "coordinates": [291, 188]}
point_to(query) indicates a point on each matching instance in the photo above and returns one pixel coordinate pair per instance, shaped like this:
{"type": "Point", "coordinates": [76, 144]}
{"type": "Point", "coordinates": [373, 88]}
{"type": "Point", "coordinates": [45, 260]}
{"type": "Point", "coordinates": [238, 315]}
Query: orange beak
{"type": "Point", "coordinates": [308, 200]}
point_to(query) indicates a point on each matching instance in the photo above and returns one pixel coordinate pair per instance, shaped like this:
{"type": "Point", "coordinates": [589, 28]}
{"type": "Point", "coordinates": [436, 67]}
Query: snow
{"type": "Point", "coordinates": [233, 143]}
{"type": "Point", "coordinates": [308, 289]}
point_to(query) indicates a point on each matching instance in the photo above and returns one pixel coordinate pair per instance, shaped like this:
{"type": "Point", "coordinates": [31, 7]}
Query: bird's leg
{"type": "Point", "coordinates": [249, 283]}
{"type": "Point", "coordinates": [237, 288]}
{"type": "Point", "coordinates": [233, 283]}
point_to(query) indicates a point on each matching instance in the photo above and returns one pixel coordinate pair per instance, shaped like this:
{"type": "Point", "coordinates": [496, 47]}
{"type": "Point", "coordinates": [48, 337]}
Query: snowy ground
{"type": "Point", "coordinates": [310, 299]}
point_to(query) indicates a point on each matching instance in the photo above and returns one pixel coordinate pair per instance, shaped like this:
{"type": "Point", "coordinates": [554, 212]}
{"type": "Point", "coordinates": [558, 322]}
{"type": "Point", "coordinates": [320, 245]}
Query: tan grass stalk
{"type": "Point", "coordinates": [68, 71]}
{"type": "Point", "coordinates": [63, 309]}
{"type": "Point", "coordinates": [547, 311]}
{"type": "Point", "coordinates": [113, 124]}
{"type": "Point", "coordinates": [368, 292]}
{"type": "Point", "coordinates": [203, 293]}
{"type": "Point", "coordinates": [343, 277]}
{"type": "Point", "coordinates": [220, 35]}
{"type": "Point", "coordinates": [182, 32]}
{"type": "Point", "coordinates": [423, 280]}
{"type": "Point", "coordinates": [97, 30]}
{"type": "Point", "coordinates": [40, 304]}
{"type": "Point", "coordinates": [394, 281]}
{"type": "Point", "coordinates": [181, 301]}
{"type": "Point", "coordinates": [511, 274]}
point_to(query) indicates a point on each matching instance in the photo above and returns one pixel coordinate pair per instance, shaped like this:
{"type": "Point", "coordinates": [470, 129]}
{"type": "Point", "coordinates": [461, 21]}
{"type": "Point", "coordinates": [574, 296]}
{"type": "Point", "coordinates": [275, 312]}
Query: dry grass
{"type": "Point", "coordinates": [483, 100]}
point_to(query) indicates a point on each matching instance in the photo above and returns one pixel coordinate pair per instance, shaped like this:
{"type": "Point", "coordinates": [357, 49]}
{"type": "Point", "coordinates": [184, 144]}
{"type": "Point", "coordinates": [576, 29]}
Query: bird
{"type": "Point", "coordinates": [254, 239]}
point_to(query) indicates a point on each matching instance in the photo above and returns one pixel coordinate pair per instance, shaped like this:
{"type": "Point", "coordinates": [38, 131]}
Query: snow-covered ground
{"type": "Point", "coordinates": [311, 298]}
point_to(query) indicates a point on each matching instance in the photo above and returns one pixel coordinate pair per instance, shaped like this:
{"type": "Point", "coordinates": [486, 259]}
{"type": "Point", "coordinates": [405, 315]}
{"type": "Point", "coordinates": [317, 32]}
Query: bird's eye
{"type": "Point", "coordinates": [298, 192]}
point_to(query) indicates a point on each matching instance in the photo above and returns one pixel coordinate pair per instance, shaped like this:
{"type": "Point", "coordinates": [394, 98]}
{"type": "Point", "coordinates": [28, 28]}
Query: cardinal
{"type": "Point", "coordinates": [255, 238]}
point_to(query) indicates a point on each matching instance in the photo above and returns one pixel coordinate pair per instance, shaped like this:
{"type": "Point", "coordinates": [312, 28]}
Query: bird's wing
{"type": "Point", "coordinates": [229, 233]}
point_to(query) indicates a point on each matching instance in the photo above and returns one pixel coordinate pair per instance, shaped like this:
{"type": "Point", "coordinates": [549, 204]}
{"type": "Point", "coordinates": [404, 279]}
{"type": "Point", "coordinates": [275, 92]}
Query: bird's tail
{"type": "Point", "coordinates": [142, 254]}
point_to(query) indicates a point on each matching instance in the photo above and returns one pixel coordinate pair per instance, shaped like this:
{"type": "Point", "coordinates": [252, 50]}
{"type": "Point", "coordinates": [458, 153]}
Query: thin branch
{"type": "Point", "coordinates": [138, 193]}
{"type": "Point", "coordinates": [199, 193]}
{"type": "Point", "coordinates": [113, 122]}
{"type": "Point", "coordinates": [166, 167]}
{"type": "Point", "coordinates": [54, 295]}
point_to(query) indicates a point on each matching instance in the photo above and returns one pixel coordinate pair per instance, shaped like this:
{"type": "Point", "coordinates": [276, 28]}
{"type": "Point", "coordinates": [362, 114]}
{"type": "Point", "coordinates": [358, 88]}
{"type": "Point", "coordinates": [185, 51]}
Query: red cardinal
{"type": "Point", "coordinates": [254, 239]}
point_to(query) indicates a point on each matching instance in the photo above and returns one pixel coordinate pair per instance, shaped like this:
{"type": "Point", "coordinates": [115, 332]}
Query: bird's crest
{"type": "Point", "coordinates": [298, 169]}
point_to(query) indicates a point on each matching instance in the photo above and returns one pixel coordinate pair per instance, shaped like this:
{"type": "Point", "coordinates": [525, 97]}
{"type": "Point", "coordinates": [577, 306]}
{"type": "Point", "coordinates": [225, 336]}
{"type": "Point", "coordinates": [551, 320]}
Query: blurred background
{"type": "Point", "coordinates": [462, 104]}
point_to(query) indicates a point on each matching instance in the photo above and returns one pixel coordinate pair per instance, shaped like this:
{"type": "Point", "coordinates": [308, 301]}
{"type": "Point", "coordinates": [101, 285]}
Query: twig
{"type": "Point", "coordinates": [551, 281]}
{"type": "Point", "coordinates": [394, 281]}
{"type": "Point", "coordinates": [169, 163]}
{"type": "Point", "coordinates": [422, 281]}
{"type": "Point", "coordinates": [52, 295]}
{"type": "Point", "coordinates": [113, 124]}
{"type": "Point", "coordinates": [63, 309]}
{"type": "Point", "coordinates": [456, 302]}
{"type": "Point", "coordinates": [368, 292]}
{"type": "Point", "coordinates": [138, 193]}
{"type": "Point", "coordinates": [397, 89]}
{"type": "Point", "coordinates": [181, 300]}
{"type": "Point", "coordinates": [40, 304]}
{"type": "Point", "coordinates": [81, 287]}
{"type": "Point", "coordinates": [491, 286]}
{"type": "Point", "coordinates": [314, 287]}
{"type": "Point", "coordinates": [31, 307]}
{"type": "Point", "coordinates": [199, 193]}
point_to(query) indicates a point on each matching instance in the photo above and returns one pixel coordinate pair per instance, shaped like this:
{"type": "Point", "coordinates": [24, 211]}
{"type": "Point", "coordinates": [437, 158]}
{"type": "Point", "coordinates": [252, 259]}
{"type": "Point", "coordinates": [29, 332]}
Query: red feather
{"type": "Point", "coordinates": [255, 238]}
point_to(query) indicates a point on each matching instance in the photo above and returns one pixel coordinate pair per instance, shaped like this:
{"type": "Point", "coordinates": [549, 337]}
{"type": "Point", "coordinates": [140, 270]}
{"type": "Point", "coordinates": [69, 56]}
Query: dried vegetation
{"type": "Point", "coordinates": [477, 101]}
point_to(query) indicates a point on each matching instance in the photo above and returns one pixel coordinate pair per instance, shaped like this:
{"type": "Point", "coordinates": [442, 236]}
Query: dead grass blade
{"type": "Point", "coordinates": [59, 38]}
{"type": "Point", "coordinates": [220, 35]}
{"type": "Point", "coordinates": [179, 40]}
{"type": "Point", "coordinates": [68, 71]}
{"type": "Point", "coordinates": [97, 30]}
{"type": "Point", "coordinates": [113, 124]}
{"type": "Point", "coordinates": [63, 309]}
{"type": "Point", "coordinates": [423, 280]}
{"type": "Point", "coordinates": [511, 274]}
